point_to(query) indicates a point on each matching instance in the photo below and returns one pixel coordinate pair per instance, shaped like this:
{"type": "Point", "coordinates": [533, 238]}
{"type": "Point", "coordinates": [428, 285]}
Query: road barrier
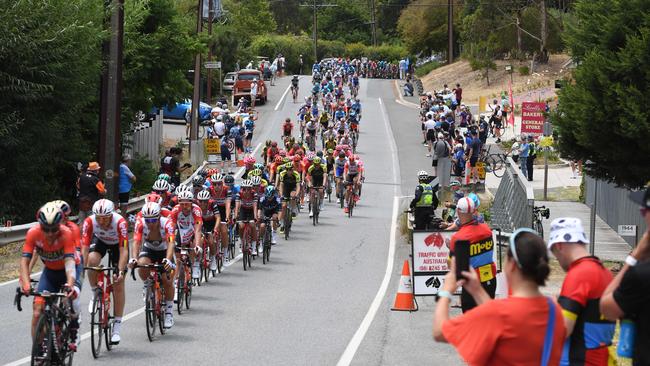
{"type": "Point", "coordinates": [513, 202]}
{"type": "Point", "coordinates": [18, 232]}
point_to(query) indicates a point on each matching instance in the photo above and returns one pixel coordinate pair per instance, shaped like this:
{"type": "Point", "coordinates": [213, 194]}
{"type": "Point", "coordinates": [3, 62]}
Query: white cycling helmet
{"type": "Point", "coordinates": [50, 215]}
{"type": "Point", "coordinates": [255, 180]}
{"type": "Point", "coordinates": [182, 188]}
{"type": "Point", "coordinates": [246, 183]}
{"type": "Point", "coordinates": [203, 195]}
{"type": "Point", "coordinates": [103, 207]}
{"type": "Point", "coordinates": [151, 210]}
{"type": "Point", "coordinates": [216, 177]}
{"type": "Point", "coordinates": [423, 174]}
{"type": "Point", "coordinates": [185, 195]}
{"type": "Point", "coordinates": [63, 206]}
{"type": "Point", "coordinates": [160, 185]}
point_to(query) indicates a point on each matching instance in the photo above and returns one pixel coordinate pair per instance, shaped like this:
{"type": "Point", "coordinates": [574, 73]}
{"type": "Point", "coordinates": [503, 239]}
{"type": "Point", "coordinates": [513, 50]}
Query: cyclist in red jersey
{"type": "Point", "coordinates": [187, 220]}
{"type": "Point", "coordinates": [246, 210]}
{"type": "Point", "coordinates": [155, 197]}
{"type": "Point", "coordinates": [221, 196]}
{"type": "Point", "coordinates": [161, 187]}
{"type": "Point", "coordinates": [106, 232]}
{"type": "Point", "coordinates": [208, 210]}
{"type": "Point", "coordinates": [55, 244]}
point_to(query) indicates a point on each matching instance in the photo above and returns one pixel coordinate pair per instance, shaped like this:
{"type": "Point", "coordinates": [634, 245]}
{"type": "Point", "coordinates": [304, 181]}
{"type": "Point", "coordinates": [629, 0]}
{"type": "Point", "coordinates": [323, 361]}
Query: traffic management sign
{"type": "Point", "coordinates": [212, 65]}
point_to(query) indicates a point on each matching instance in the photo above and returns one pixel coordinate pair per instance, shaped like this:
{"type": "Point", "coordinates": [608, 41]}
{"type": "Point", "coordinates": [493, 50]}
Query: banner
{"type": "Point", "coordinates": [430, 252]}
{"type": "Point", "coordinates": [532, 118]}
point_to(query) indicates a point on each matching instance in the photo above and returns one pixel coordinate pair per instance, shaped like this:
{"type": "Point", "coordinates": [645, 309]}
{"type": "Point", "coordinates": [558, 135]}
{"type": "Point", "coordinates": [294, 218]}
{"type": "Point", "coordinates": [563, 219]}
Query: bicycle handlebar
{"type": "Point", "coordinates": [158, 267]}
{"type": "Point", "coordinates": [101, 269]}
{"type": "Point", "coordinates": [32, 292]}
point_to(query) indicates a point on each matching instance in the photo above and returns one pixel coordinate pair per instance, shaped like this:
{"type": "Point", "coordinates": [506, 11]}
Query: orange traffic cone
{"type": "Point", "coordinates": [405, 301]}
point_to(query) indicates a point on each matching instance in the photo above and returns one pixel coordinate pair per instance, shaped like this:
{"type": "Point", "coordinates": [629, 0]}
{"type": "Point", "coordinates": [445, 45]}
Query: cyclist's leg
{"type": "Point", "coordinates": [118, 286]}
{"type": "Point", "coordinates": [97, 251]}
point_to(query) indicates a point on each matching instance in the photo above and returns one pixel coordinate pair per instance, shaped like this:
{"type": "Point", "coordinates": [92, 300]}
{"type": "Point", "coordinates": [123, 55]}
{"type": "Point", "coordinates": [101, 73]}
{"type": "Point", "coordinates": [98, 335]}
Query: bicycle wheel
{"type": "Point", "coordinates": [287, 217]}
{"type": "Point", "coordinates": [495, 163]}
{"type": "Point", "coordinates": [96, 322]}
{"type": "Point", "coordinates": [231, 244]}
{"type": "Point", "coordinates": [329, 189]}
{"type": "Point", "coordinates": [180, 288]}
{"type": "Point", "coordinates": [108, 328]}
{"type": "Point", "coordinates": [244, 248]}
{"type": "Point", "coordinates": [150, 313]}
{"type": "Point", "coordinates": [205, 271]}
{"type": "Point", "coordinates": [160, 308]}
{"type": "Point", "coordinates": [266, 249]}
{"type": "Point", "coordinates": [188, 291]}
{"type": "Point", "coordinates": [43, 344]}
{"type": "Point", "coordinates": [537, 226]}
{"type": "Point", "coordinates": [315, 207]}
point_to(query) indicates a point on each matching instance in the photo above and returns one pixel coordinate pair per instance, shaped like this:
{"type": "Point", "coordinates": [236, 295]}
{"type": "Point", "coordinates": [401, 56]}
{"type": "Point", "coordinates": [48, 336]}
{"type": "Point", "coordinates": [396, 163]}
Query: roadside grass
{"type": "Point", "coordinates": [560, 194]}
{"type": "Point", "coordinates": [10, 255]}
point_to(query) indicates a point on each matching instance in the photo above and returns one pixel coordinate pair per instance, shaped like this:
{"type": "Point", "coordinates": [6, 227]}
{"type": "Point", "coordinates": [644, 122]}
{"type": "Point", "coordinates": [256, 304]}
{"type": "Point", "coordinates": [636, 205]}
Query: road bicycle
{"type": "Point", "coordinates": [311, 142]}
{"type": "Point", "coordinates": [185, 283]}
{"type": "Point", "coordinates": [314, 203]}
{"type": "Point", "coordinates": [154, 298]}
{"type": "Point", "coordinates": [351, 197]}
{"type": "Point", "coordinates": [232, 240]}
{"type": "Point", "coordinates": [540, 212]}
{"type": "Point", "coordinates": [287, 216]}
{"type": "Point", "coordinates": [294, 93]}
{"type": "Point", "coordinates": [246, 245]}
{"type": "Point", "coordinates": [101, 320]}
{"type": "Point", "coordinates": [52, 339]}
{"type": "Point", "coordinates": [328, 187]}
{"type": "Point", "coordinates": [266, 239]}
{"type": "Point", "coordinates": [355, 139]}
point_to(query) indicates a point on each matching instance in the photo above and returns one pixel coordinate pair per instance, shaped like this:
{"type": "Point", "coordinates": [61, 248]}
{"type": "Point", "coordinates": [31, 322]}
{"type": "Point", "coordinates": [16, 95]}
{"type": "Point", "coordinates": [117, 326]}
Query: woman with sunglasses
{"type": "Point", "coordinates": [526, 328]}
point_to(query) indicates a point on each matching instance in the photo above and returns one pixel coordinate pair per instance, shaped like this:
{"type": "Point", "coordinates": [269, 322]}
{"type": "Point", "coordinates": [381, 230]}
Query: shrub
{"type": "Point", "coordinates": [426, 68]}
{"type": "Point", "coordinates": [523, 70]}
{"type": "Point", "coordinates": [145, 173]}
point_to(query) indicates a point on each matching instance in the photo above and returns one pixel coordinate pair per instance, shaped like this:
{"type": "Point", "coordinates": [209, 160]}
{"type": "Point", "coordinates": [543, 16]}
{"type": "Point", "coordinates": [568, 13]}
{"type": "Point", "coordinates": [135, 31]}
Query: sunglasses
{"type": "Point", "coordinates": [513, 239]}
{"type": "Point", "coordinates": [50, 229]}
{"type": "Point", "coordinates": [151, 220]}
{"type": "Point", "coordinates": [160, 192]}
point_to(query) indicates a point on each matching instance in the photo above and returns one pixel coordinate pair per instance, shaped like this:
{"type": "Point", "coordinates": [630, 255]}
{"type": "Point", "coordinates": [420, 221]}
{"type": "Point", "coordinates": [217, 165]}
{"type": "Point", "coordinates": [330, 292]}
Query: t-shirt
{"type": "Point", "coordinates": [125, 179]}
{"type": "Point", "coordinates": [481, 250]}
{"type": "Point", "coordinates": [633, 297]}
{"type": "Point", "coordinates": [506, 332]}
{"type": "Point", "coordinates": [475, 145]}
{"type": "Point", "coordinates": [582, 288]}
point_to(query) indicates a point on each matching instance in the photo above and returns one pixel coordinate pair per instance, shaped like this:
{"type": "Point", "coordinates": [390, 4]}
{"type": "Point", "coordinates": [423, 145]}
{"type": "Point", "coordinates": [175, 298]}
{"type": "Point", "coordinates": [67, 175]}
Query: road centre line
{"type": "Point", "coordinates": [282, 97]}
{"type": "Point", "coordinates": [401, 99]}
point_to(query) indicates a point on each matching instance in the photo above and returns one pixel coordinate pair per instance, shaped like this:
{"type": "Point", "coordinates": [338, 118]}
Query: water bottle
{"type": "Point", "coordinates": [626, 339]}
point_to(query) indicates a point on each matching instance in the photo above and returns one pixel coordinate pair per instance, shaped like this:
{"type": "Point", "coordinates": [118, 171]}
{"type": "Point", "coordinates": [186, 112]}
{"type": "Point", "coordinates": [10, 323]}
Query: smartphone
{"type": "Point", "coordinates": [461, 253]}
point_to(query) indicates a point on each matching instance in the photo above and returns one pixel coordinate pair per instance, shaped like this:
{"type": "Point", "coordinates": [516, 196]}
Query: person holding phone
{"type": "Point", "coordinates": [480, 249]}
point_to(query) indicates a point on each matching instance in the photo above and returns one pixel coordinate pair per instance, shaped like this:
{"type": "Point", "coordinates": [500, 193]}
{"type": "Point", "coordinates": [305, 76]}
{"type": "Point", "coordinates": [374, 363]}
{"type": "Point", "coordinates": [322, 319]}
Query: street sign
{"type": "Point", "coordinates": [532, 118]}
{"type": "Point", "coordinates": [627, 230]}
{"type": "Point", "coordinates": [212, 146]}
{"type": "Point", "coordinates": [212, 65]}
{"type": "Point", "coordinates": [430, 252]}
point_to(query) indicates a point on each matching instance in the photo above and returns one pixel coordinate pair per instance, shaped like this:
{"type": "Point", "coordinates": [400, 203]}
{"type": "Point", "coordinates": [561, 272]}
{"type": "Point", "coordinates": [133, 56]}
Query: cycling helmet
{"type": "Point", "coordinates": [249, 160]}
{"type": "Point", "coordinates": [203, 173]}
{"type": "Point", "coordinates": [288, 166]}
{"type": "Point", "coordinates": [319, 154]}
{"type": "Point", "coordinates": [160, 185]}
{"type": "Point", "coordinates": [277, 159]}
{"type": "Point", "coordinates": [351, 159]}
{"type": "Point", "coordinates": [422, 174]}
{"type": "Point", "coordinates": [185, 195]}
{"type": "Point", "coordinates": [50, 215]}
{"type": "Point", "coordinates": [204, 195]}
{"type": "Point", "coordinates": [282, 153]}
{"type": "Point", "coordinates": [267, 142]}
{"type": "Point", "coordinates": [286, 159]}
{"type": "Point", "coordinates": [229, 179]}
{"type": "Point", "coordinates": [317, 160]}
{"type": "Point", "coordinates": [246, 183]}
{"type": "Point", "coordinates": [255, 173]}
{"type": "Point", "coordinates": [217, 177]}
{"type": "Point", "coordinates": [296, 158]}
{"type": "Point", "coordinates": [341, 154]}
{"type": "Point", "coordinates": [164, 177]}
{"type": "Point", "coordinates": [103, 207]}
{"type": "Point", "coordinates": [330, 151]}
{"type": "Point", "coordinates": [274, 144]}
{"type": "Point", "coordinates": [256, 180]}
{"type": "Point", "coordinates": [64, 207]}
{"type": "Point", "coordinates": [258, 166]}
{"type": "Point", "coordinates": [182, 188]}
{"type": "Point", "coordinates": [269, 191]}
{"type": "Point", "coordinates": [153, 197]}
{"type": "Point", "coordinates": [151, 210]}
{"type": "Point", "coordinates": [198, 181]}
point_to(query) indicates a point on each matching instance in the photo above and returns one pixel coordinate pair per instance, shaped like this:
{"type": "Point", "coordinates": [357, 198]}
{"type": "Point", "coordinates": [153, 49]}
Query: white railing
{"type": "Point", "coordinates": [513, 202]}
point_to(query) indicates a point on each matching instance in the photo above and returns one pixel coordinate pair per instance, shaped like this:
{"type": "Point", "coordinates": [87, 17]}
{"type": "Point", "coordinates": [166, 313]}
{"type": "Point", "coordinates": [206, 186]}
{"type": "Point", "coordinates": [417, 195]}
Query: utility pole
{"type": "Point", "coordinates": [450, 31]}
{"type": "Point", "coordinates": [111, 100]}
{"type": "Point", "coordinates": [196, 101]}
{"type": "Point", "coordinates": [373, 19]}
{"type": "Point", "coordinates": [210, 17]}
{"type": "Point", "coordinates": [315, 8]}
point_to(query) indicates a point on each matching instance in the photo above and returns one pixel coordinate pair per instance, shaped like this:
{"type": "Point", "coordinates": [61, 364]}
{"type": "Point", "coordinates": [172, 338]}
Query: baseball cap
{"type": "Point", "coordinates": [465, 205]}
{"type": "Point", "coordinates": [567, 230]}
{"type": "Point", "coordinates": [642, 197]}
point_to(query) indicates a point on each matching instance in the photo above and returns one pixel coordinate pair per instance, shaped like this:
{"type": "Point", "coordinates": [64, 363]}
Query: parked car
{"type": "Point", "coordinates": [179, 111]}
{"type": "Point", "coordinates": [242, 87]}
{"type": "Point", "coordinates": [229, 81]}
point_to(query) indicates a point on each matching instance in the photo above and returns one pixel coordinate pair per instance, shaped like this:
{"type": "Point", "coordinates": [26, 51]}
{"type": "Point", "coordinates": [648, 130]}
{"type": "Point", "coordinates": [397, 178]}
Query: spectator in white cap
{"type": "Point", "coordinates": [588, 335]}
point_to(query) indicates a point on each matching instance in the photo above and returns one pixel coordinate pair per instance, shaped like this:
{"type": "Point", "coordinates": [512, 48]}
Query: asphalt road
{"type": "Point", "coordinates": [307, 304]}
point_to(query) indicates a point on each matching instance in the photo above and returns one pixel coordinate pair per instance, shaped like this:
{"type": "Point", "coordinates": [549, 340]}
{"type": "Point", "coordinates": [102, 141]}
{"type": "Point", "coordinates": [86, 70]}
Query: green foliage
{"type": "Point", "coordinates": [423, 26]}
{"type": "Point", "coordinates": [426, 68]}
{"type": "Point", "coordinates": [481, 56]}
{"type": "Point", "coordinates": [145, 174]}
{"type": "Point", "coordinates": [348, 22]}
{"type": "Point", "coordinates": [290, 17]}
{"type": "Point", "coordinates": [249, 18]}
{"type": "Point", "coordinates": [603, 115]}
{"type": "Point", "coordinates": [523, 70]}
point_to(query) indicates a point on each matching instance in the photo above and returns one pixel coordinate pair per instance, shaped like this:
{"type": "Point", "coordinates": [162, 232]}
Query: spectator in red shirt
{"type": "Point", "coordinates": [588, 334]}
{"type": "Point", "coordinates": [524, 329]}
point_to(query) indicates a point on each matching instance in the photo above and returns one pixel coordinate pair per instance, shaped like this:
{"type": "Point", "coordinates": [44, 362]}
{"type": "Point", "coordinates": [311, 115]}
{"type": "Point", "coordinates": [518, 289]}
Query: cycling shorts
{"type": "Point", "coordinates": [271, 212]}
{"type": "Point", "coordinates": [156, 256]}
{"type": "Point", "coordinates": [98, 246]}
{"type": "Point", "coordinates": [208, 226]}
{"type": "Point", "coordinates": [222, 213]}
{"type": "Point", "coordinates": [288, 188]}
{"type": "Point", "coordinates": [350, 177]}
{"type": "Point", "coordinates": [339, 171]}
{"type": "Point", "coordinates": [317, 180]}
{"type": "Point", "coordinates": [53, 280]}
{"type": "Point", "coordinates": [246, 214]}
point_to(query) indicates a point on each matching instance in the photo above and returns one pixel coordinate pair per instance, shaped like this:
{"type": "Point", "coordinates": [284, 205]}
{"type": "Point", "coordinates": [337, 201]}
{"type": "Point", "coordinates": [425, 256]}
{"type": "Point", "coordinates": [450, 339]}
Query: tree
{"type": "Point", "coordinates": [291, 17]}
{"type": "Point", "coordinates": [250, 18]}
{"type": "Point", "coordinates": [603, 117]}
{"type": "Point", "coordinates": [481, 56]}
{"type": "Point", "coordinates": [423, 26]}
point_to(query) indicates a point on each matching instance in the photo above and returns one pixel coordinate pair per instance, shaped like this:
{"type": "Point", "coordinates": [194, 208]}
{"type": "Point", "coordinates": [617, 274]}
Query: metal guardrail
{"type": "Point", "coordinates": [18, 232]}
{"type": "Point", "coordinates": [513, 202]}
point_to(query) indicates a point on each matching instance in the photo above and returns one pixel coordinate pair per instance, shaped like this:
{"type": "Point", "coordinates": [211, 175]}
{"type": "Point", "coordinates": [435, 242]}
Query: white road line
{"type": "Point", "coordinates": [401, 99]}
{"type": "Point", "coordinates": [355, 342]}
{"type": "Point", "coordinates": [282, 98]}
{"type": "Point", "coordinates": [16, 280]}
{"type": "Point", "coordinates": [126, 317]}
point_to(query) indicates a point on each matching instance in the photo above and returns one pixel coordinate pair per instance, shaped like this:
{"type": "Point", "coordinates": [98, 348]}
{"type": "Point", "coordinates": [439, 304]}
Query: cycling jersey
{"type": "Point", "coordinates": [352, 168]}
{"type": "Point", "coordinates": [481, 248]}
{"type": "Point", "coordinates": [209, 211]}
{"type": "Point", "coordinates": [317, 172]}
{"type": "Point", "coordinates": [142, 232]}
{"type": "Point", "coordinates": [185, 223]}
{"type": "Point", "coordinates": [247, 199]}
{"type": "Point", "coordinates": [311, 128]}
{"type": "Point", "coordinates": [340, 166]}
{"type": "Point", "coordinates": [270, 206]}
{"type": "Point", "coordinates": [287, 127]}
{"type": "Point", "coordinates": [53, 254]}
{"type": "Point", "coordinates": [289, 179]}
{"type": "Point", "coordinates": [220, 195]}
{"type": "Point", "coordinates": [117, 231]}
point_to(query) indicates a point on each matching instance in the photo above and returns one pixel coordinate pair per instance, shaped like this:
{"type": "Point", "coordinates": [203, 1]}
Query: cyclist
{"type": "Point", "coordinates": [287, 128]}
{"type": "Point", "coordinates": [339, 164]}
{"type": "Point", "coordinates": [246, 211]}
{"type": "Point", "coordinates": [352, 176]}
{"type": "Point", "coordinates": [315, 176]}
{"type": "Point", "coordinates": [55, 244]}
{"type": "Point", "coordinates": [153, 242]}
{"type": "Point", "coordinates": [208, 210]}
{"type": "Point", "coordinates": [187, 219]}
{"type": "Point", "coordinates": [269, 206]}
{"type": "Point", "coordinates": [104, 232]}
{"type": "Point", "coordinates": [294, 87]}
{"type": "Point", "coordinates": [221, 197]}
{"type": "Point", "coordinates": [289, 183]}
{"type": "Point", "coordinates": [312, 132]}
{"type": "Point", "coordinates": [161, 187]}
{"type": "Point", "coordinates": [345, 140]}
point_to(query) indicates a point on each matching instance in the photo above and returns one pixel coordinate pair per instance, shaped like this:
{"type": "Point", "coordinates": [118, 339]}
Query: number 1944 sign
{"type": "Point", "coordinates": [430, 253]}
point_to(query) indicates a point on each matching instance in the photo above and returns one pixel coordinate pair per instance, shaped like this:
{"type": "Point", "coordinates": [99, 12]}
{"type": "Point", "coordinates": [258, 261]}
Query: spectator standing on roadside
{"type": "Point", "coordinates": [588, 335]}
{"type": "Point", "coordinates": [90, 188]}
{"type": "Point", "coordinates": [473, 151]}
{"type": "Point", "coordinates": [514, 151]}
{"type": "Point", "coordinates": [127, 178]}
{"type": "Point", "coordinates": [524, 329]}
{"type": "Point", "coordinates": [532, 154]}
{"type": "Point", "coordinates": [523, 156]}
{"type": "Point", "coordinates": [253, 93]}
{"type": "Point", "coordinates": [429, 133]}
{"type": "Point", "coordinates": [628, 295]}
{"type": "Point", "coordinates": [301, 64]}
{"type": "Point", "coordinates": [171, 165]}
{"type": "Point", "coordinates": [441, 160]}
{"type": "Point", "coordinates": [219, 127]}
{"type": "Point", "coordinates": [458, 91]}
{"type": "Point", "coordinates": [481, 259]}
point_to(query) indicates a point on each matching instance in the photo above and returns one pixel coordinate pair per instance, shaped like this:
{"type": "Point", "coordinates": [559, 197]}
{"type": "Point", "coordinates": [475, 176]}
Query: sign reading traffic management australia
{"type": "Point", "coordinates": [532, 118]}
{"type": "Point", "coordinates": [430, 253]}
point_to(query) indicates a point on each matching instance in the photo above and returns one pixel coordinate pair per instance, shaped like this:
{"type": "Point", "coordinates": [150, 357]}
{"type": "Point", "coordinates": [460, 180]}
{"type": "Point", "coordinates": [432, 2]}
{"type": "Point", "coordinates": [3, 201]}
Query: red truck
{"type": "Point", "coordinates": [242, 87]}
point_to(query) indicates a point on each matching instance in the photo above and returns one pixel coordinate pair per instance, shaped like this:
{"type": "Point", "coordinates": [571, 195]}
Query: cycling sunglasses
{"type": "Point", "coordinates": [150, 220]}
{"type": "Point", "coordinates": [513, 239]}
{"type": "Point", "coordinates": [160, 192]}
{"type": "Point", "coordinates": [50, 229]}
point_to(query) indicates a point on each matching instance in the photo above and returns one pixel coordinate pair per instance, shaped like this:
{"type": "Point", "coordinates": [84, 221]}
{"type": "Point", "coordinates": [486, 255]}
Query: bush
{"type": "Point", "coordinates": [145, 174]}
{"type": "Point", "coordinates": [523, 70]}
{"type": "Point", "coordinates": [426, 68]}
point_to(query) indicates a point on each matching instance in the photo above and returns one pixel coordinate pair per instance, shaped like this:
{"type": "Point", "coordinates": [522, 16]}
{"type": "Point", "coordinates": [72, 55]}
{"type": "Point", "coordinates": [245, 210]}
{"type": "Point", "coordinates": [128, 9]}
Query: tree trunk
{"type": "Point", "coordinates": [543, 54]}
{"type": "Point", "coordinates": [519, 47]}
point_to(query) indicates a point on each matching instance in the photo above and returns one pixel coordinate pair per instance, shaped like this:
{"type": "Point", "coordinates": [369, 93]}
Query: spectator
{"type": "Point", "coordinates": [458, 161]}
{"type": "Point", "coordinates": [474, 151]}
{"type": "Point", "coordinates": [480, 236]}
{"type": "Point", "coordinates": [532, 154]}
{"type": "Point", "coordinates": [301, 64]}
{"type": "Point", "coordinates": [576, 166]}
{"type": "Point", "coordinates": [514, 151]}
{"type": "Point", "coordinates": [628, 295]}
{"type": "Point", "coordinates": [430, 135]}
{"type": "Point", "coordinates": [127, 178]}
{"type": "Point", "coordinates": [171, 165]}
{"type": "Point", "coordinates": [497, 123]}
{"type": "Point", "coordinates": [483, 128]}
{"type": "Point", "coordinates": [225, 154]}
{"type": "Point", "coordinates": [253, 93]}
{"type": "Point", "coordinates": [458, 91]}
{"type": "Point", "coordinates": [90, 188]}
{"type": "Point", "coordinates": [523, 156]}
{"type": "Point", "coordinates": [219, 127]}
{"type": "Point", "coordinates": [441, 160]}
{"type": "Point", "coordinates": [588, 336]}
{"type": "Point", "coordinates": [523, 329]}
{"type": "Point", "coordinates": [408, 88]}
